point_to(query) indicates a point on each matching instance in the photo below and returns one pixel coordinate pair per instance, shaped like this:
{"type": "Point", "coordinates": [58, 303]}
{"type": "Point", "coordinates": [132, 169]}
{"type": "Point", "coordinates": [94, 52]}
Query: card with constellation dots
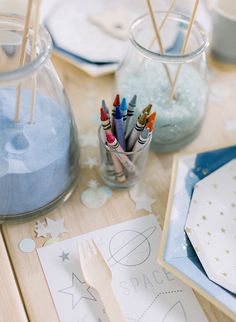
{"type": "Point", "coordinates": [145, 290]}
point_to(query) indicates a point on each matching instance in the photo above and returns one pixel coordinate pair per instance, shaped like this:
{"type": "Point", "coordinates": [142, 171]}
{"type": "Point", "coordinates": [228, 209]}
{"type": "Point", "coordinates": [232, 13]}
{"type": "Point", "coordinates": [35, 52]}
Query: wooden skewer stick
{"type": "Point", "coordinates": [23, 55]}
{"type": "Point", "coordinates": [184, 47]}
{"type": "Point", "coordinates": [162, 25]}
{"type": "Point", "coordinates": [158, 37]}
{"type": "Point", "coordinates": [33, 56]}
{"type": "Point", "coordinates": [164, 21]}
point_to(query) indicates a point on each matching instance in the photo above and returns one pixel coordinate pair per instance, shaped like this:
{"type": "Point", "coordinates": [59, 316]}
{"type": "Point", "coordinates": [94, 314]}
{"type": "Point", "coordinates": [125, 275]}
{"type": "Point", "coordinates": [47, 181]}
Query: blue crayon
{"type": "Point", "coordinates": [124, 109]}
{"type": "Point", "coordinates": [119, 127]}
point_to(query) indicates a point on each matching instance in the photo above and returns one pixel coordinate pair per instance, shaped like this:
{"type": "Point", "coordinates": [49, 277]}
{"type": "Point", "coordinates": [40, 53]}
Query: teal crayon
{"type": "Point", "coordinates": [124, 110]}
{"type": "Point", "coordinates": [130, 114]}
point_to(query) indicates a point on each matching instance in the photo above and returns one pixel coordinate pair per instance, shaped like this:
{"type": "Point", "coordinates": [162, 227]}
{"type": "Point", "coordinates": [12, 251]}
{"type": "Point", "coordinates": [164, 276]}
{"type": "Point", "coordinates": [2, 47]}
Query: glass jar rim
{"type": "Point", "coordinates": [181, 58]}
{"type": "Point", "coordinates": [31, 67]}
{"type": "Point", "coordinates": [100, 131]}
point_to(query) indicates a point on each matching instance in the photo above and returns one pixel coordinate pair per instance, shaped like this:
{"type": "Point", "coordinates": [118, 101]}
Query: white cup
{"type": "Point", "coordinates": [224, 30]}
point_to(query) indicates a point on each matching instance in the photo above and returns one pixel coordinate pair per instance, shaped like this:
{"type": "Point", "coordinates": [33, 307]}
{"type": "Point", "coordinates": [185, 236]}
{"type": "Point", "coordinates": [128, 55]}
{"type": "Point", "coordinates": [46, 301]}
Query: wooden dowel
{"type": "Point", "coordinates": [158, 37]}
{"type": "Point", "coordinates": [22, 56]}
{"type": "Point", "coordinates": [163, 23]}
{"type": "Point", "coordinates": [184, 48]}
{"type": "Point", "coordinates": [33, 56]}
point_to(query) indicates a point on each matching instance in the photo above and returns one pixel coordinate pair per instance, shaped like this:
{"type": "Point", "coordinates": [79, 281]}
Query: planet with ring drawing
{"type": "Point", "coordinates": [130, 247]}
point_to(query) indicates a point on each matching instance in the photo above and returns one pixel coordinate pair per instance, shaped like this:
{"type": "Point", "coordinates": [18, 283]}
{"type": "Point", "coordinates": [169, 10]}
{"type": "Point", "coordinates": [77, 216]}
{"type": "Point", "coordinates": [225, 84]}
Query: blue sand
{"type": "Point", "coordinates": [34, 158]}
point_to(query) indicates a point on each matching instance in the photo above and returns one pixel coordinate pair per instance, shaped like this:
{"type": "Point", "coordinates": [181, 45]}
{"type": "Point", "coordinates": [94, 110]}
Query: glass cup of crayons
{"type": "Point", "coordinates": [124, 148]}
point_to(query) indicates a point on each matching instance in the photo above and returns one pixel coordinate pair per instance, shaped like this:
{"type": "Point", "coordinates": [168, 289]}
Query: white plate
{"type": "Point", "coordinates": [211, 225]}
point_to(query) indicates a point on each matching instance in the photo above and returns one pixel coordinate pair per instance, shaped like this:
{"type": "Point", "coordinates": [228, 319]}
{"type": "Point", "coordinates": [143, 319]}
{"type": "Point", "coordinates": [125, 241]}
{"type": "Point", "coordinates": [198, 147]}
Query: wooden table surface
{"type": "Point", "coordinates": [85, 94]}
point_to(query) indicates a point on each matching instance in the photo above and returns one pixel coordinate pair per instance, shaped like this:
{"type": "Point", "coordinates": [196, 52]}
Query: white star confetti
{"type": "Point", "coordinates": [145, 203]}
{"type": "Point", "coordinates": [91, 162]}
{"type": "Point", "coordinates": [92, 184]}
{"type": "Point", "coordinates": [55, 227]}
{"type": "Point", "coordinates": [140, 196]}
{"type": "Point", "coordinates": [89, 139]}
{"type": "Point", "coordinates": [40, 229]}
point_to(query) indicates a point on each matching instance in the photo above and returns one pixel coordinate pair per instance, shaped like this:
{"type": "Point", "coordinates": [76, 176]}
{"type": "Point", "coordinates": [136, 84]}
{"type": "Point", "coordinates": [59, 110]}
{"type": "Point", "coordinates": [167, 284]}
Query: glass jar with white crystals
{"type": "Point", "coordinates": [151, 75]}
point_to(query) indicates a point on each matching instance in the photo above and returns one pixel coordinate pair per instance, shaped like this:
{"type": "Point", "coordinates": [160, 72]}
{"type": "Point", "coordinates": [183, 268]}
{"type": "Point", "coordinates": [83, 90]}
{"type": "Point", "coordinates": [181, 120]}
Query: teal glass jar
{"type": "Point", "coordinates": [39, 152]}
{"type": "Point", "coordinates": [143, 72]}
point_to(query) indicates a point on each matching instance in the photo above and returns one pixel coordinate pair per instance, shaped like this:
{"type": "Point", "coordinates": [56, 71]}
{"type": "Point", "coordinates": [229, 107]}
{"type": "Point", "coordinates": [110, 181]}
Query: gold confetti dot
{"type": "Point", "coordinates": [204, 217]}
{"type": "Point", "coordinates": [188, 230]}
{"type": "Point", "coordinates": [233, 205]}
{"type": "Point", "coordinates": [209, 233]}
{"type": "Point", "coordinates": [223, 230]}
{"type": "Point", "coordinates": [225, 274]}
{"type": "Point", "coordinates": [217, 259]}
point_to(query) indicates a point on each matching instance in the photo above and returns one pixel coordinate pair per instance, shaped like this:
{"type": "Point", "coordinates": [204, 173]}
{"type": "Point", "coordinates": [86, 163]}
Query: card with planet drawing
{"type": "Point", "coordinates": [145, 291]}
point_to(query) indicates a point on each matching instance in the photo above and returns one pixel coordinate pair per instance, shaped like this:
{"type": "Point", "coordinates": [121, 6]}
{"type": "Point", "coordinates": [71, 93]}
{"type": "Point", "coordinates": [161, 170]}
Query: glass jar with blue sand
{"type": "Point", "coordinates": [39, 149]}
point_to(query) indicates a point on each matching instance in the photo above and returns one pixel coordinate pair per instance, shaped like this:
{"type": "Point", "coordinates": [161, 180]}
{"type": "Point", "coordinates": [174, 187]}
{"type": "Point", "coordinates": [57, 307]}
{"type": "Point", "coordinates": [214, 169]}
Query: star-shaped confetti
{"type": "Point", "coordinates": [91, 162]}
{"type": "Point", "coordinates": [78, 291]}
{"type": "Point", "coordinates": [55, 227]}
{"type": "Point", "coordinates": [65, 256]}
{"type": "Point", "coordinates": [89, 139]}
{"type": "Point", "coordinates": [40, 229]}
{"type": "Point", "coordinates": [144, 204]}
{"type": "Point", "coordinates": [92, 184]}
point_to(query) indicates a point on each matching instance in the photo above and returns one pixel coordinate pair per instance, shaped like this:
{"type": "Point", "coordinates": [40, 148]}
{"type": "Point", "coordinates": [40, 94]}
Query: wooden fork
{"type": "Point", "coordinates": [98, 275]}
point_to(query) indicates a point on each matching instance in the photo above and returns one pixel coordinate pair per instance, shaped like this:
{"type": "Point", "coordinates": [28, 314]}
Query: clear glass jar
{"type": "Point", "coordinates": [39, 152]}
{"type": "Point", "coordinates": [122, 170]}
{"type": "Point", "coordinates": [143, 72]}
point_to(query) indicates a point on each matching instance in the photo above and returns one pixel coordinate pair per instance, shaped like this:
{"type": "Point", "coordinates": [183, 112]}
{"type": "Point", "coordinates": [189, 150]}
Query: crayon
{"type": "Point", "coordinates": [130, 113]}
{"type": "Point", "coordinates": [115, 104]}
{"type": "Point", "coordinates": [115, 146]}
{"type": "Point", "coordinates": [124, 109]}
{"type": "Point", "coordinates": [106, 124]}
{"type": "Point", "coordinates": [106, 109]}
{"type": "Point", "coordinates": [113, 166]}
{"type": "Point", "coordinates": [119, 128]}
{"type": "Point", "coordinates": [142, 139]}
{"type": "Point", "coordinates": [141, 122]}
{"type": "Point", "coordinates": [152, 117]}
{"type": "Point", "coordinates": [147, 109]}
{"type": "Point", "coordinates": [150, 126]}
